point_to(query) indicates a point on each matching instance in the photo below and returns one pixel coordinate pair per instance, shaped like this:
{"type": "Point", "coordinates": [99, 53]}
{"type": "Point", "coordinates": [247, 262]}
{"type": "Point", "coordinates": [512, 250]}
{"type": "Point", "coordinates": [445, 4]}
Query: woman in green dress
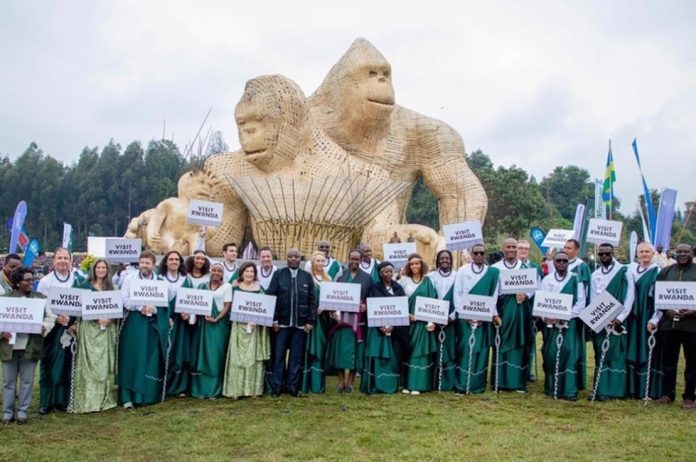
{"type": "Point", "coordinates": [313, 373]}
{"type": "Point", "coordinates": [249, 346]}
{"type": "Point", "coordinates": [212, 335]}
{"type": "Point", "coordinates": [384, 345]}
{"type": "Point", "coordinates": [173, 270]}
{"type": "Point", "coordinates": [419, 366]}
{"type": "Point", "coordinates": [95, 365]}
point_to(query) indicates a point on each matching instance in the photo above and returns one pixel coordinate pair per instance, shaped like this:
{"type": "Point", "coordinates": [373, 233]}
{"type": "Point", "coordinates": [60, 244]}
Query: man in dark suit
{"type": "Point", "coordinates": [295, 316]}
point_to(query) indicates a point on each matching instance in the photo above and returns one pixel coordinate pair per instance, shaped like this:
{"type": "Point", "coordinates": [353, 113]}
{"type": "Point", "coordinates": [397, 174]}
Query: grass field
{"type": "Point", "coordinates": [358, 427]}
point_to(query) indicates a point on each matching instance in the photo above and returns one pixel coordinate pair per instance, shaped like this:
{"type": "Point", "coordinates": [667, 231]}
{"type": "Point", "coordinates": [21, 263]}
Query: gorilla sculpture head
{"type": "Point", "coordinates": [272, 121]}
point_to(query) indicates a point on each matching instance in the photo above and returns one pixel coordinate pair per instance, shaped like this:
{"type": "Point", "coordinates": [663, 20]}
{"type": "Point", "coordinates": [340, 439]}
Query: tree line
{"type": "Point", "coordinates": [104, 188]}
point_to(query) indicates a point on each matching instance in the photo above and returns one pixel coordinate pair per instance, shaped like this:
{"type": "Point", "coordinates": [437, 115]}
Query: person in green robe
{"type": "Point", "coordinates": [314, 370]}
{"type": "Point", "coordinates": [230, 251]}
{"type": "Point", "coordinates": [420, 363]}
{"type": "Point", "coordinates": [95, 365]}
{"type": "Point", "coordinates": [212, 336]}
{"type": "Point", "coordinates": [332, 266]}
{"type": "Point", "coordinates": [173, 269]}
{"type": "Point", "coordinates": [143, 343]}
{"type": "Point", "coordinates": [367, 263]}
{"type": "Point", "coordinates": [20, 358]}
{"type": "Point", "coordinates": [613, 277]}
{"type": "Point", "coordinates": [384, 346]}
{"type": "Point", "coordinates": [347, 335]}
{"type": "Point", "coordinates": [249, 346]}
{"type": "Point", "coordinates": [443, 277]}
{"type": "Point", "coordinates": [472, 359]}
{"type": "Point", "coordinates": [523, 247]}
{"type": "Point", "coordinates": [644, 273]}
{"type": "Point", "coordinates": [515, 331]}
{"type": "Point", "coordinates": [563, 380]}
{"type": "Point", "coordinates": [56, 362]}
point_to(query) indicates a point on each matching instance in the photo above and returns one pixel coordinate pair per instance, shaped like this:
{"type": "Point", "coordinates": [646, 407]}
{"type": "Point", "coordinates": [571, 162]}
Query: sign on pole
{"type": "Point", "coordinates": [342, 296]}
{"type": "Point", "coordinates": [149, 292]}
{"type": "Point", "coordinates": [253, 308]}
{"type": "Point", "coordinates": [553, 305]}
{"type": "Point", "coordinates": [397, 254]}
{"type": "Point", "coordinates": [65, 301]}
{"type": "Point", "coordinates": [204, 213]}
{"type": "Point", "coordinates": [675, 295]}
{"type": "Point", "coordinates": [477, 308]}
{"type": "Point", "coordinates": [194, 301]}
{"type": "Point", "coordinates": [21, 315]}
{"type": "Point", "coordinates": [107, 304]}
{"type": "Point", "coordinates": [557, 238]}
{"type": "Point", "coordinates": [518, 281]}
{"type": "Point", "coordinates": [603, 310]}
{"type": "Point", "coordinates": [387, 311]}
{"type": "Point", "coordinates": [432, 310]}
{"type": "Point", "coordinates": [604, 231]}
{"type": "Point", "coordinates": [464, 235]}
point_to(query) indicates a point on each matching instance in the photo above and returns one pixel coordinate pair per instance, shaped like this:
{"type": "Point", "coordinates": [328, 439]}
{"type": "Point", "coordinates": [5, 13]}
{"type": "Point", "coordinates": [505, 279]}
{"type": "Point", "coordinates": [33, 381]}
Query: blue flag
{"type": "Point", "coordinates": [662, 234]}
{"type": "Point", "coordinates": [652, 217]}
{"type": "Point", "coordinates": [31, 252]}
{"type": "Point", "coordinates": [538, 235]}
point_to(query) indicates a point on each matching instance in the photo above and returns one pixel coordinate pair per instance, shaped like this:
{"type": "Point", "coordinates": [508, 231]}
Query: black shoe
{"type": "Point", "coordinates": [44, 410]}
{"type": "Point", "coordinates": [295, 394]}
{"type": "Point", "coordinates": [21, 420]}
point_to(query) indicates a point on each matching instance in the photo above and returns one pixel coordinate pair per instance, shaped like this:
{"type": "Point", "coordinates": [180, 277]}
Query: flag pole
{"type": "Point", "coordinates": [611, 185]}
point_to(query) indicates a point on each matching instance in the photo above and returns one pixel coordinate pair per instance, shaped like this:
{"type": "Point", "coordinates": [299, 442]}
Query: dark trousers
{"type": "Point", "coordinates": [672, 341]}
{"type": "Point", "coordinates": [293, 339]}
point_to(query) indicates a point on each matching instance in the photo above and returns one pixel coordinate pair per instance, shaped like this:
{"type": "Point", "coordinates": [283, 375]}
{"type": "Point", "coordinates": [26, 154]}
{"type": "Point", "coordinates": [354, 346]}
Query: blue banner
{"type": "Point", "coordinates": [538, 235]}
{"type": "Point", "coordinates": [652, 218]}
{"type": "Point", "coordinates": [31, 252]}
{"type": "Point", "coordinates": [17, 223]}
{"type": "Point", "coordinates": [665, 218]}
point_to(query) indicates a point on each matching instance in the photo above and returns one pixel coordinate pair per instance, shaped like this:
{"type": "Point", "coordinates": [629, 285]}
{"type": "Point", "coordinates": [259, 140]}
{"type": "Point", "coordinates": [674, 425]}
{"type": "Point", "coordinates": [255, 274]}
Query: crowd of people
{"type": "Point", "coordinates": [155, 352]}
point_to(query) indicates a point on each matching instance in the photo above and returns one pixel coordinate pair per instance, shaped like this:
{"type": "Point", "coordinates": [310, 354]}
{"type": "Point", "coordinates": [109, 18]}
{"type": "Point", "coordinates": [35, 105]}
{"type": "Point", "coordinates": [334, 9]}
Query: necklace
{"type": "Point", "coordinates": [444, 275]}
{"type": "Point", "coordinates": [266, 275]}
{"type": "Point", "coordinates": [641, 271]}
{"type": "Point", "coordinates": [231, 270]}
{"type": "Point", "coordinates": [420, 278]}
{"type": "Point", "coordinates": [555, 274]}
{"type": "Point", "coordinates": [140, 275]}
{"type": "Point", "coordinates": [55, 273]}
{"type": "Point", "coordinates": [609, 269]}
{"type": "Point", "coordinates": [508, 266]}
{"type": "Point", "coordinates": [364, 266]}
{"type": "Point", "coordinates": [217, 285]}
{"type": "Point", "coordinates": [473, 268]}
{"type": "Point", "coordinates": [166, 275]}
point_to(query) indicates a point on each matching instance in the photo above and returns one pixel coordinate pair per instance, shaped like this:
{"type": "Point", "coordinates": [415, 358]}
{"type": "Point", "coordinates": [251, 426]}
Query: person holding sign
{"type": "Point", "coordinates": [644, 272]}
{"type": "Point", "coordinates": [419, 366]}
{"type": "Point", "coordinates": [313, 373]}
{"type": "Point", "coordinates": [142, 348]}
{"type": "Point", "coordinates": [54, 377]}
{"type": "Point", "coordinates": [173, 269]}
{"type": "Point", "coordinates": [294, 317]}
{"type": "Point", "coordinates": [571, 358]}
{"type": "Point", "coordinates": [230, 252]}
{"type": "Point", "coordinates": [346, 341]}
{"type": "Point", "coordinates": [615, 278]}
{"type": "Point", "coordinates": [95, 365]}
{"type": "Point", "coordinates": [515, 333]}
{"type": "Point", "coordinates": [12, 262]}
{"type": "Point", "coordinates": [249, 345]}
{"type": "Point", "coordinates": [476, 278]}
{"type": "Point", "coordinates": [676, 329]}
{"type": "Point", "coordinates": [19, 358]}
{"type": "Point", "coordinates": [443, 277]}
{"type": "Point", "coordinates": [384, 346]}
{"type": "Point", "coordinates": [333, 267]}
{"type": "Point", "coordinates": [367, 263]}
{"type": "Point", "coordinates": [211, 338]}
{"type": "Point", "coordinates": [198, 268]}
{"type": "Point", "coordinates": [266, 268]}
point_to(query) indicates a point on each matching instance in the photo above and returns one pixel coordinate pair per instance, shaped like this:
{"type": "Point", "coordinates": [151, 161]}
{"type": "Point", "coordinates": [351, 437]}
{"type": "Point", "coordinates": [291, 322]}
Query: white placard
{"type": "Point", "coordinates": [553, 305]}
{"type": "Point", "coordinates": [604, 231]}
{"type": "Point", "coordinates": [432, 310]}
{"type": "Point", "coordinates": [21, 315]}
{"type": "Point", "coordinates": [65, 300]}
{"type": "Point", "coordinates": [387, 311]}
{"type": "Point", "coordinates": [122, 250]}
{"type": "Point", "coordinates": [342, 296]}
{"type": "Point", "coordinates": [149, 292]}
{"type": "Point", "coordinates": [194, 301]}
{"type": "Point", "coordinates": [397, 254]}
{"type": "Point", "coordinates": [557, 238]}
{"type": "Point", "coordinates": [204, 213]}
{"type": "Point", "coordinates": [464, 235]}
{"type": "Point", "coordinates": [107, 304]}
{"type": "Point", "coordinates": [601, 311]}
{"type": "Point", "coordinates": [673, 295]}
{"type": "Point", "coordinates": [477, 308]}
{"type": "Point", "coordinates": [251, 307]}
{"type": "Point", "coordinates": [518, 281]}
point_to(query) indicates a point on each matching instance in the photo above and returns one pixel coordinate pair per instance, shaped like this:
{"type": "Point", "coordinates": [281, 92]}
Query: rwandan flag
{"type": "Point", "coordinates": [609, 179]}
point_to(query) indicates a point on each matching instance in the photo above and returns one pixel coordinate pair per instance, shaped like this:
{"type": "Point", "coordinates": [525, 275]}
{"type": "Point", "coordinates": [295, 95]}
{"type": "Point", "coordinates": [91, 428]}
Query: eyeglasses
{"type": "Point", "coordinates": [604, 254]}
{"type": "Point", "coordinates": [561, 261]}
{"type": "Point", "coordinates": [478, 253]}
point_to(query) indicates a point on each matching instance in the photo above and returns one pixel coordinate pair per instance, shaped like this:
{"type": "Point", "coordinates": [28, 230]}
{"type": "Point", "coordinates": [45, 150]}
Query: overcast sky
{"type": "Point", "coordinates": [537, 84]}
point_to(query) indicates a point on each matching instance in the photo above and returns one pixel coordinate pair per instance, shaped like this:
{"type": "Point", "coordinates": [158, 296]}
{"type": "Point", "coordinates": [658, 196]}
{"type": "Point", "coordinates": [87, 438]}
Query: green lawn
{"type": "Point", "coordinates": [431, 426]}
